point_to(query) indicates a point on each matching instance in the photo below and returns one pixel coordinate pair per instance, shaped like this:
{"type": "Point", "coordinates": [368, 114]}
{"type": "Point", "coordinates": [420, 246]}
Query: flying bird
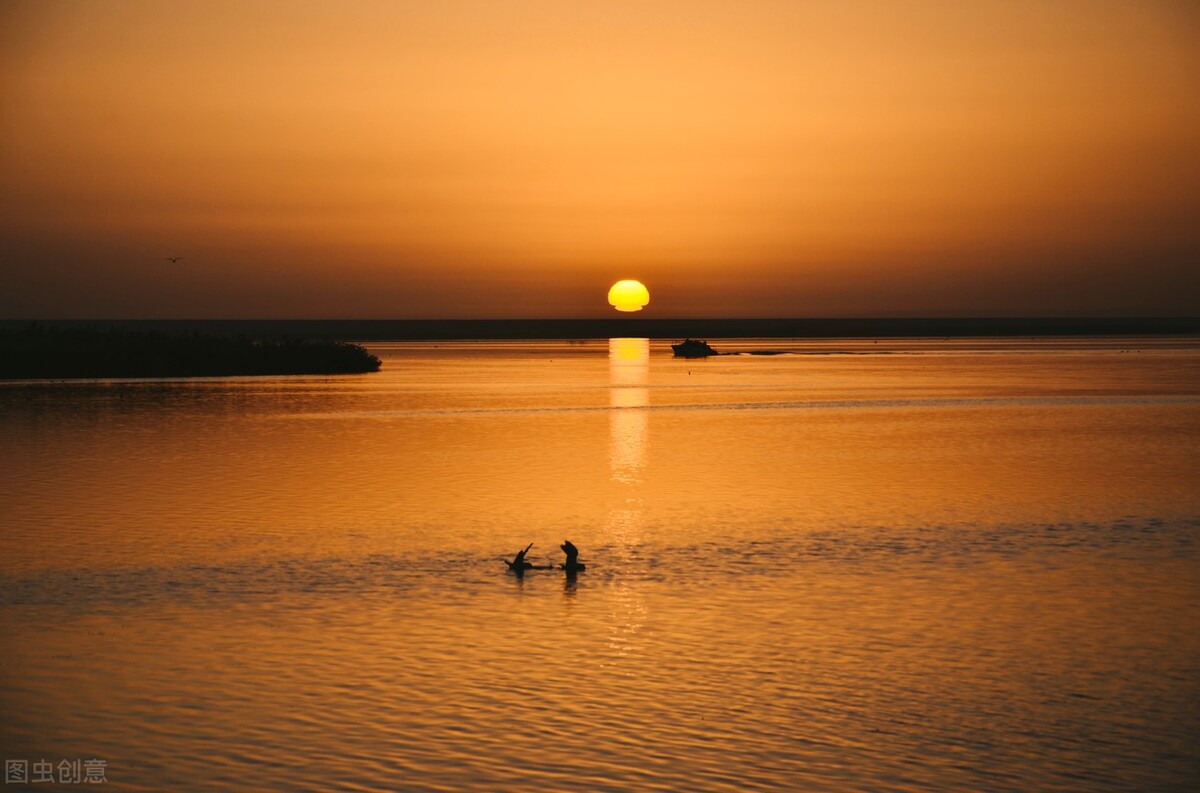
{"type": "Point", "coordinates": [174, 259]}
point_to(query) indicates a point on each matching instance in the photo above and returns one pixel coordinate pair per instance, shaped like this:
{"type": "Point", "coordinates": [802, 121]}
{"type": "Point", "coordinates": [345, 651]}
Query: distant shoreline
{"type": "Point", "coordinates": [46, 351]}
{"type": "Point", "coordinates": [463, 329]}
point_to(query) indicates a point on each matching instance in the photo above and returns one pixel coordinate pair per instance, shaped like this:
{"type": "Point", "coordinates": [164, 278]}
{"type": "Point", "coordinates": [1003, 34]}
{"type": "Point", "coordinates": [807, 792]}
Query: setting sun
{"type": "Point", "coordinates": [628, 295]}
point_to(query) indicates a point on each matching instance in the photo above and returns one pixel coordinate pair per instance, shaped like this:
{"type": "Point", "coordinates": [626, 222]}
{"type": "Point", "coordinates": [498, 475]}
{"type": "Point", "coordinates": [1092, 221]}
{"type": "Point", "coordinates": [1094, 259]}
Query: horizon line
{"type": "Point", "coordinates": [640, 318]}
{"type": "Point", "coordinates": [612, 327]}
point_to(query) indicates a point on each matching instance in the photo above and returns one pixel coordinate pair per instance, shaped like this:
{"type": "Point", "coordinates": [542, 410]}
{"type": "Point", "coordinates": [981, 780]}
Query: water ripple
{"type": "Point", "coordinates": [461, 576]}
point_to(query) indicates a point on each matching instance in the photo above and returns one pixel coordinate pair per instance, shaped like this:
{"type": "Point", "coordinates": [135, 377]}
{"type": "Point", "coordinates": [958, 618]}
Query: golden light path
{"type": "Point", "coordinates": [628, 295]}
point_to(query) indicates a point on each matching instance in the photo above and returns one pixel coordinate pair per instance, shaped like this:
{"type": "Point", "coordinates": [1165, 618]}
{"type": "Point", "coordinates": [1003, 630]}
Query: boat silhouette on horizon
{"type": "Point", "coordinates": [693, 348]}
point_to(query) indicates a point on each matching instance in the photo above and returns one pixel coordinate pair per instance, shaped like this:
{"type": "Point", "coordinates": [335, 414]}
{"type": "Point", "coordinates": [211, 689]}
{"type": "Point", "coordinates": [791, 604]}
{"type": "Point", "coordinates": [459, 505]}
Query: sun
{"type": "Point", "coordinates": [628, 295]}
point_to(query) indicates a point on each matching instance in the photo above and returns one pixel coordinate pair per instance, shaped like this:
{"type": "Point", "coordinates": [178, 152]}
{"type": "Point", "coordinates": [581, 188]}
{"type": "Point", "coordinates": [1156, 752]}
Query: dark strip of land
{"type": "Point", "coordinates": [40, 351]}
{"type": "Point", "coordinates": [453, 329]}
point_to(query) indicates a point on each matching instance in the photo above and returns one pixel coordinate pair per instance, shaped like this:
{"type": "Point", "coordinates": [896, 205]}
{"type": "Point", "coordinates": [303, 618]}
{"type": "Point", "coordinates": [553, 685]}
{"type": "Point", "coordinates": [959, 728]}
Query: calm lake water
{"type": "Point", "coordinates": [892, 566]}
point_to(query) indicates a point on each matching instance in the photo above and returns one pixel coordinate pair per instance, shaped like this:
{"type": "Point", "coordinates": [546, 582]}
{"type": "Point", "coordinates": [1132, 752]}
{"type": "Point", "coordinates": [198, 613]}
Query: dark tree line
{"type": "Point", "coordinates": [39, 352]}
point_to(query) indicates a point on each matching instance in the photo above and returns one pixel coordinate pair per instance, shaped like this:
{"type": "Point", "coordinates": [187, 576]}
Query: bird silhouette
{"type": "Point", "coordinates": [174, 259]}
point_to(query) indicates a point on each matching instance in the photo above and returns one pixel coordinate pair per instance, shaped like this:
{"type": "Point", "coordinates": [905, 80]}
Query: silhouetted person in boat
{"type": "Point", "coordinates": [572, 564]}
{"type": "Point", "coordinates": [518, 565]}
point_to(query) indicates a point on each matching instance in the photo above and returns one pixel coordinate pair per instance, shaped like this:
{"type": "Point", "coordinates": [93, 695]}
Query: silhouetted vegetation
{"type": "Point", "coordinates": [36, 351]}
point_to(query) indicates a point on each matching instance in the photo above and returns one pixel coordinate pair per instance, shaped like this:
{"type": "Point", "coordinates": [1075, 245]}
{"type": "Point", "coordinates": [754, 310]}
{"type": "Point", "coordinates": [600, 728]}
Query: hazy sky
{"type": "Point", "coordinates": [513, 159]}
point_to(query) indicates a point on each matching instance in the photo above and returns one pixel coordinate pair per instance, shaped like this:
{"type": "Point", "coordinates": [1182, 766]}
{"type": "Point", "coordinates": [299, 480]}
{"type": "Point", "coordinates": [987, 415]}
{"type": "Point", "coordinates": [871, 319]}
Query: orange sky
{"type": "Point", "coordinates": [513, 159]}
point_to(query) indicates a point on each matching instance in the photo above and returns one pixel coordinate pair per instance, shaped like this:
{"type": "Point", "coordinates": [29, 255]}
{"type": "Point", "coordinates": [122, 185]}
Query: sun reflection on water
{"type": "Point", "coordinates": [628, 365]}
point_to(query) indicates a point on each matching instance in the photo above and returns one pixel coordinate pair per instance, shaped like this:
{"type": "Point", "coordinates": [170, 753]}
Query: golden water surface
{"type": "Point", "coordinates": [900, 566]}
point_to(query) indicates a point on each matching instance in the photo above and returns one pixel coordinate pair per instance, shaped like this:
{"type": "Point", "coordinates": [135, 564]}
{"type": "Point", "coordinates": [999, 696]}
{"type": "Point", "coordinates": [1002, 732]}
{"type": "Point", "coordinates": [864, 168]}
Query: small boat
{"type": "Point", "coordinates": [693, 348]}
